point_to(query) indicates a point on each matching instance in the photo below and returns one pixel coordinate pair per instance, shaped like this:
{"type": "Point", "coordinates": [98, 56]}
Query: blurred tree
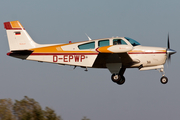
{"type": "Point", "coordinates": [84, 118]}
{"type": "Point", "coordinates": [25, 109]}
{"type": "Point", "coordinates": [6, 112]}
{"type": "Point", "coordinates": [51, 115]}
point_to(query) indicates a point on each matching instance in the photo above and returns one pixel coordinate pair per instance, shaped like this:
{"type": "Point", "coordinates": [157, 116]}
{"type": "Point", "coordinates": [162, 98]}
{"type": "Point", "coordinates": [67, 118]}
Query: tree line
{"type": "Point", "coordinates": [26, 109]}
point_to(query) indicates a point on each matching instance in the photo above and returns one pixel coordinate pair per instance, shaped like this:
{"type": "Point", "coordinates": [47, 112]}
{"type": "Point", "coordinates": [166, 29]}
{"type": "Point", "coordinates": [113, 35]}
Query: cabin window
{"type": "Point", "coordinates": [102, 43]}
{"type": "Point", "coordinates": [90, 45]}
{"type": "Point", "coordinates": [119, 42]}
{"type": "Point", "coordinates": [132, 41]}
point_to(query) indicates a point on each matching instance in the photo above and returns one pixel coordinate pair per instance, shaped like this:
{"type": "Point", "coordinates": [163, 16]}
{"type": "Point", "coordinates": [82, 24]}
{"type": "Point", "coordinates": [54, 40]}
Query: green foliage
{"type": "Point", "coordinates": [6, 112]}
{"type": "Point", "coordinates": [84, 118]}
{"type": "Point", "coordinates": [50, 114]}
{"type": "Point", "coordinates": [25, 109]}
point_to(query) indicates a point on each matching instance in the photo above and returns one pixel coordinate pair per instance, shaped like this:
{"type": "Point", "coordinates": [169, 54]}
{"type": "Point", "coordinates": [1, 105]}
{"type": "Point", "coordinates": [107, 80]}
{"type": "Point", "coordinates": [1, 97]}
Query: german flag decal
{"type": "Point", "coordinates": [17, 33]}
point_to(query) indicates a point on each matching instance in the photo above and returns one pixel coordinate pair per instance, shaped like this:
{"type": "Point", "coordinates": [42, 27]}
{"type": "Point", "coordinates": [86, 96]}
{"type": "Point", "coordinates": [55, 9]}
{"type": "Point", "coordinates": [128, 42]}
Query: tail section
{"type": "Point", "coordinates": [18, 38]}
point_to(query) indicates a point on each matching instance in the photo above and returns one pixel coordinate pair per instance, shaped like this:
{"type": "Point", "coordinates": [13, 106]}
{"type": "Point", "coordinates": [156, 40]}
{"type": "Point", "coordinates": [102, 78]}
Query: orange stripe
{"type": "Point", "coordinates": [16, 24]}
{"type": "Point", "coordinates": [57, 49]}
{"type": "Point", "coordinates": [138, 51]}
{"type": "Point", "coordinates": [147, 52]}
{"type": "Point", "coordinates": [104, 49]}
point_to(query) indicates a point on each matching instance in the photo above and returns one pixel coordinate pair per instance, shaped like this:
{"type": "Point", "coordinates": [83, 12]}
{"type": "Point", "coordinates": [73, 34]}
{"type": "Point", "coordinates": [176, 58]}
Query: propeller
{"type": "Point", "coordinates": [169, 51]}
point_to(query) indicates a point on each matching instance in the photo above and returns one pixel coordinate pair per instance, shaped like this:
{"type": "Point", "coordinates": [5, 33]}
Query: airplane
{"type": "Point", "coordinates": [115, 53]}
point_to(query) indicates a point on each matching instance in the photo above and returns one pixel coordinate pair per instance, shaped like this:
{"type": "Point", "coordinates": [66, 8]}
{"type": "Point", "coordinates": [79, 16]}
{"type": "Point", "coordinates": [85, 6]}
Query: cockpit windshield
{"type": "Point", "coordinates": [132, 41]}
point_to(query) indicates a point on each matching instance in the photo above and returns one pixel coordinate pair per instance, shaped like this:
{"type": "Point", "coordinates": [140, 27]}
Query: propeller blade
{"type": "Point", "coordinates": [169, 51]}
{"type": "Point", "coordinates": [168, 44]}
{"type": "Point", "coordinates": [169, 59]}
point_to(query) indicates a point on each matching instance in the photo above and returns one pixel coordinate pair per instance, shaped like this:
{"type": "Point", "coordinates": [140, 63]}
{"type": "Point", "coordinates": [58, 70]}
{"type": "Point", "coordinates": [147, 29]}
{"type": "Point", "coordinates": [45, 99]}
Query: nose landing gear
{"type": "Point", "coordinates": [163, 79]}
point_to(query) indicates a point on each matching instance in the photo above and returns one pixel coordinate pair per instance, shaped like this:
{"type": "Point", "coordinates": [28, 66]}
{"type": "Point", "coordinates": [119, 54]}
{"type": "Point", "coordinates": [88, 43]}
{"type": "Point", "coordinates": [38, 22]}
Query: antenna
{"type": "Point", "coordinates": [88, 37]}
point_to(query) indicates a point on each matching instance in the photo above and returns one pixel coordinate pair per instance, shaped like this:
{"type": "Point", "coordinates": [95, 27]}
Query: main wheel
{"type": "Point", "coordinates": [120, 82]}
{"type": "Point", "coordinates": [115, 78]}
{"type": "Point", "coordinates": [164, 80]}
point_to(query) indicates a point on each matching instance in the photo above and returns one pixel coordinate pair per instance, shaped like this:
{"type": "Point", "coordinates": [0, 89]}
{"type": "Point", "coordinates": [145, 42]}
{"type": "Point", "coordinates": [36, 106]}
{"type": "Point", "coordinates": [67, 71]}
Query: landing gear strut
{"type": "Point", "coordinates": [119, 78]}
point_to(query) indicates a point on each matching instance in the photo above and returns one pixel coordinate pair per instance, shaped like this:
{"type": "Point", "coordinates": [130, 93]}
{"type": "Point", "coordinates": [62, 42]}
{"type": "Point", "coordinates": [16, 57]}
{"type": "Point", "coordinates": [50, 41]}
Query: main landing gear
{"type": "Point", "coordinates": [119, 78]}
{"type": "Point", "coordinates": [163, 79]}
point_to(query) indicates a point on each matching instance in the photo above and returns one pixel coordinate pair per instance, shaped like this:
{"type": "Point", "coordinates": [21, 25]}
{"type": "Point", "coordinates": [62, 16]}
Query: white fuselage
{"type": "Point", "coordinates": [148, 56]}
{"type": "Point", "coordinates": [71, 54]}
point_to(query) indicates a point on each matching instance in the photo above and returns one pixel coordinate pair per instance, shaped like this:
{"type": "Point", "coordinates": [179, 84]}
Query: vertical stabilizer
{"type": "Point", "coordinates": [18, 38]}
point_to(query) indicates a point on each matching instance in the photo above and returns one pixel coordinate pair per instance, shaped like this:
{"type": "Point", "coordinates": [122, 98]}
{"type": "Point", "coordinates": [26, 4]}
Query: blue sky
{"type": "Point", "coordinates": [76, 93]}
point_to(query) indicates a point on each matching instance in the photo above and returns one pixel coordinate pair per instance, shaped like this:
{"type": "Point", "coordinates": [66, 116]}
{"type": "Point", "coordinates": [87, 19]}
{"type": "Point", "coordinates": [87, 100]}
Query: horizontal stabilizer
{"type": "Point", "coordinates": [22, 54]}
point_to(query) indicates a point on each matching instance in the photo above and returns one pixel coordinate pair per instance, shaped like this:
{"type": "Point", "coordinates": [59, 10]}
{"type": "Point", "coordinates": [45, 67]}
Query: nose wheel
{"type": "Point", "coordinates": [163, 79]}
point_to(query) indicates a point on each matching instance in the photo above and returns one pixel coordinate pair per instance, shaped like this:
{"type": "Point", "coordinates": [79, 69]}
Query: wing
{"type": "Point", "coordinates": [104, 58]}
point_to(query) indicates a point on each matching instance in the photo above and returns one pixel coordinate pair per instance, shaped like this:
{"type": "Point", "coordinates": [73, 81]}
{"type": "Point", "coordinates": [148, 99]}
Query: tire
{"type": "Point", "coordinates": [115, 78]}
{"type": "Point", "coordinates": [164, 80]}
{"type": "Point", "coordinates": [122, 81]}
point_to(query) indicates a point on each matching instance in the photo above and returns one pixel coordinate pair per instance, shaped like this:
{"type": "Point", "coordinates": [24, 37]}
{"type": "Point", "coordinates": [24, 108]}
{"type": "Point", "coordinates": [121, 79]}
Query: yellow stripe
{"type": "Point", "coordinates": [146, 51]}
{"type": "Point", "coordinates": [104, 49]}
{"type": "Point", "coordinates": [16, 24]}
{"type": "Point", "coordinates": [57, 49]}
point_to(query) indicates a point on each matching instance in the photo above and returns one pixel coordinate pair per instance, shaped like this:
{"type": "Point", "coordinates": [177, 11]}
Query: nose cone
{"type": "Point", "coordinates": [170, 51]}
